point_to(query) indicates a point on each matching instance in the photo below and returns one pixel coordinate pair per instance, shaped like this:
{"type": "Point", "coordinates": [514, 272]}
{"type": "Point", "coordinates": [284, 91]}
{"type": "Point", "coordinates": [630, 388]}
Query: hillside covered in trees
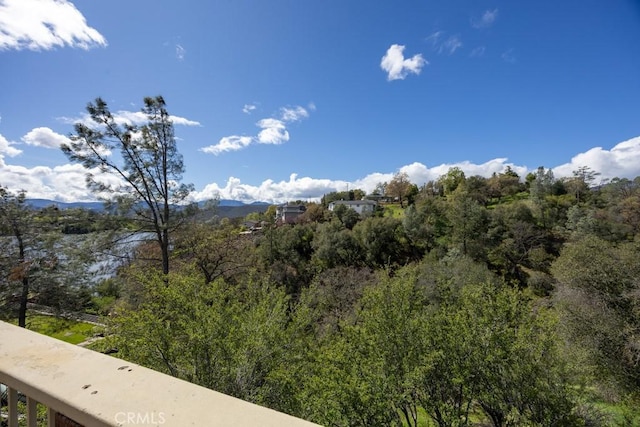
{"type": "Point", "coordinates": [468, 301]}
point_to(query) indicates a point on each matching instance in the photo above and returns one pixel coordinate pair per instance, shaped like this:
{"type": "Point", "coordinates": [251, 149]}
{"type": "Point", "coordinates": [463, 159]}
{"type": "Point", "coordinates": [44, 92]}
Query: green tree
{"type": "Point", "coordinates": [145, 178]}
{"type": "Point", "coordinates": [361, 376]}
{"type": "Point", "coordinates": [16, 222]}
{"type": "Point", "coordinates": [581, 182]}
{"type": "Point", "coordinates": [520, 375]}
{"type": "Point", "coordinates": [540, 183]}
{"type": "Point", "coordinates": [622, 206]}
{"type": "Point", "coordinates": [284, 253]}
{"type": "Point", "coordinates": [334, 245]}
{"type": "Point", "coordinates": [412, 194]}
{"type": "Point", "coordinates": [541, 186]}
{"type": "Point", "coordinates": [335, 294]}
{"type": "Point", "coordinates": [450, 181]}
{"type": "Point", "coordinates": [39, 264]}
{"type": "Point", "coordinates": [599, 296]}
{"type": "Point", "coordinates": [504, 184]}
{"type": "Point", "coordinates": [478, 189]}
{"type": "Point", "coordinates": [486, 346]}
{"type": "Point", "coordinates": [383, 241]}
{"type": "Point", "coordinates": [417, 231]}
{"type": "Point", "coordinates": [227, 338]}
{"type": "Point", "coordinates": [347, 216]}
{"type": "Point", "coordinates": [516, 241]}
{"type": "Point", "coordinates": [468, 221]}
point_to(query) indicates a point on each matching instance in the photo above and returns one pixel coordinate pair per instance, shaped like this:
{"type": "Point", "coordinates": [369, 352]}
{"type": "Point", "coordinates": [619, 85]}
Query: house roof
{"type": "Point", "coordinates": [354, 202]}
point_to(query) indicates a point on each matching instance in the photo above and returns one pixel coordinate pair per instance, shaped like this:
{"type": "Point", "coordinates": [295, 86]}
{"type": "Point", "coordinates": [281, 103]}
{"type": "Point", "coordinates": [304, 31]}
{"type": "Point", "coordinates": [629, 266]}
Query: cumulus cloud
{"type": "Point", "coordinates": [273, 131]}
{"type": "Point", "coordinates": [295, 188]}
{"type": "Point", "coordinates": [397, 67]}
{"type": "Point", "coordinates": [45, 137]}
{"type": "Point", "coordinates": [65, 183]}
{"type": "Point", "coordinates": [43, 25]}
{"type": "Point", "coordinates": [7, 148]}
{"type": "Point", "coordinates": [622, 161]}
{"type": "Point", "coordinates": [487, 19]}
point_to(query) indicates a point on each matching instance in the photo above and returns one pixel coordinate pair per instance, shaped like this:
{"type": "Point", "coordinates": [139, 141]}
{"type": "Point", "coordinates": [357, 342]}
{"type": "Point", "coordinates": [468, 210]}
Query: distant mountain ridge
{"type": "Point", "coordinates": [99, 206]}
{"type": "Point", "coordinates": [226, 208]}
{"type": "Point", "coordinates": [45, 203]}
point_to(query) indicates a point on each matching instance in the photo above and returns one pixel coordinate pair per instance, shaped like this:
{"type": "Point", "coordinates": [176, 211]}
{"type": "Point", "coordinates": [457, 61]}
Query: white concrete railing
{"type": "Point", "coordinates": [93, 389]}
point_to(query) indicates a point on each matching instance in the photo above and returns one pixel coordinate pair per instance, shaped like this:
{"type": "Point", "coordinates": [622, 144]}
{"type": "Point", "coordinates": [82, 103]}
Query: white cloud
{"type": "Point", "coordinates": [45, 137]}
{"type": "Point", "coordinates": [7, 148]}
{"type": "Point", "coordinates": [181, 121]}
{"type": "Point", "coordinates": [295, 188]}
{"type": "Point", "coordinates": [397, 67]}
{"type": "Point", "coordinates": [434, 38]}
{"type": "Point", "coordinates": [65, 183]}
{"type": "Point", "coordinates": [622, 161]}
{"type": "Point", "coordinates": [180, 52]}
{"type": "Point", "coordinates": [294, 114]}
{"type": "Point", "coordinates": [450, 45]}
{"type": "Point", "coordinates": [127, 117]}
{"type": "Point", "coordinates": [45, 24]}
{"type": "Point", "coordinates": [441, 45]}
{"type": "Point", "coordinates": [274, 131]}
{"type": "Point", "coordinates": [487, 19]}
{"type": "Point", "coordinates": [248, 108]}
{"type": "Point", "coordinates": [228, 143]}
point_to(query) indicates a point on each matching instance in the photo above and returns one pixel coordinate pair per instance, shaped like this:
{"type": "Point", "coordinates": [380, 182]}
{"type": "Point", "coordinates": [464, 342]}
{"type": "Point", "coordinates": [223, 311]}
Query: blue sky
{"type": "Point", "coordinates": [289, 99]}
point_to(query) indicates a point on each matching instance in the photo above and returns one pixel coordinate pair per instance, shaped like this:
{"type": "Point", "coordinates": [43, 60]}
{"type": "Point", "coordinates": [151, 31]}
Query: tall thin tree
{"type": "Point", "coordinates": [147, 171]}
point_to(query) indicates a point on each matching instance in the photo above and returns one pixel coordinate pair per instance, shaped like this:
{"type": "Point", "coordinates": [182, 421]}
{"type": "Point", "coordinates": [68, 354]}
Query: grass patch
{"type": "Point", "coordinates": [67, 330]}
{"type": "Point", "coordinates": [620, 413]}
{"type": "Point", "coordinates": [393, 210]}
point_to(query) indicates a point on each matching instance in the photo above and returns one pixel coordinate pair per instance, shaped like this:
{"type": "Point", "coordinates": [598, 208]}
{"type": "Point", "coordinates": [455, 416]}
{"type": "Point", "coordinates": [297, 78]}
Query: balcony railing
{"type": "Point", "coordinates": [86, 388]}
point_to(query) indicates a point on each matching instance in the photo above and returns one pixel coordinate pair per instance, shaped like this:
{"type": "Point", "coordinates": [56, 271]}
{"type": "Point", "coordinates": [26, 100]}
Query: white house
{"type": "Point", "coordinates": [363, 207]}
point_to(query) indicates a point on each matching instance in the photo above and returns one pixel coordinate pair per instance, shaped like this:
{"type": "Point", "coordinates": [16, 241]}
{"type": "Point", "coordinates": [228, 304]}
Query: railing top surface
{"type": "Point", "coordinates": [99, 390]}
